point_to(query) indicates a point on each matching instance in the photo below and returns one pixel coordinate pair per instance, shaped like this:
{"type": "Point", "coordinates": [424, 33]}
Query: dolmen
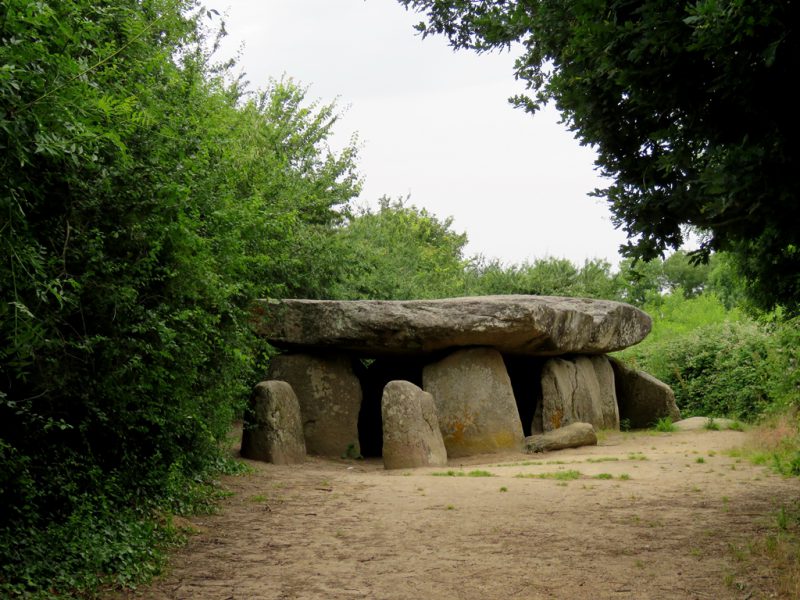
{"type": "Point", "coordinates": [478, 375]}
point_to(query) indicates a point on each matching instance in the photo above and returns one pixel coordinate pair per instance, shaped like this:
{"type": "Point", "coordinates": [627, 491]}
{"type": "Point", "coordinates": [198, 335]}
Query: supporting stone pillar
{"type": "Point", "coordinates": [474, 402]}
{"type": "Point", "coordinates": [329, 394]}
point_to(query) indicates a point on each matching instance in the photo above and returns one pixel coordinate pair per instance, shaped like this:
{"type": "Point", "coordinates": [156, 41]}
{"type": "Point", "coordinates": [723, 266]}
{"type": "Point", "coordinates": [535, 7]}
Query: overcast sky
{"type": "Point", "coordinates": [433, 124]}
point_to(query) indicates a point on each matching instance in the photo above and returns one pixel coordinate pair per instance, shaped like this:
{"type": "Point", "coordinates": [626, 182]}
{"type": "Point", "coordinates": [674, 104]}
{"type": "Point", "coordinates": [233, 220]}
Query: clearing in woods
{"type": "Point", "coordinates": [640, 516]}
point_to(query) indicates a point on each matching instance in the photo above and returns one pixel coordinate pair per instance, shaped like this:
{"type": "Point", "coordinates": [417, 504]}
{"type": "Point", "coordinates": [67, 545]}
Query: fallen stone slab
{"type": "Point", "coordinates": [696, 423]}
{"type": "Point", "coordinates": [570, 436]}
{"type": "Point", "coordinates": [642, 398]}
{"type": "Point", "coordinates": [517, 324]}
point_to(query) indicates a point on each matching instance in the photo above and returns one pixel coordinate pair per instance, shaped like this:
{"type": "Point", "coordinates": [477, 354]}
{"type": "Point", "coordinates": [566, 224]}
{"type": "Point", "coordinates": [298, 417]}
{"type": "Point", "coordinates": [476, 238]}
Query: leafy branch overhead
{"type": "Point", "coordinates": [687, 105]}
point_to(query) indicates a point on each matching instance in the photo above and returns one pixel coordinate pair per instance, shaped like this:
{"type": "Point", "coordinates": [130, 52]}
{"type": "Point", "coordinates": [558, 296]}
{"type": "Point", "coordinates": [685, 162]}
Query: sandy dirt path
{"type": "Point", "coordinates": [665, 525]}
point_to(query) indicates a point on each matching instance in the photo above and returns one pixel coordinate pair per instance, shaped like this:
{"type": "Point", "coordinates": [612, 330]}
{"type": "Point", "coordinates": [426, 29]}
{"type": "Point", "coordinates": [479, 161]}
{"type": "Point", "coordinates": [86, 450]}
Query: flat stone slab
{"type": "Point", "coordinates": [697, 423]}
{"type": "Point", "coordinates": [529, 325]}
{"type": "Point", "coordinates": [573, 435]}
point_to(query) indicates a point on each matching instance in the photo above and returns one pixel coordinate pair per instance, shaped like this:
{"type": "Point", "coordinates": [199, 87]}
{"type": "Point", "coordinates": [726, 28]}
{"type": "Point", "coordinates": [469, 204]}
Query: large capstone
{"type": "Point", "coordinates": [474, 402]}
{"type": "Point", "coordinates": [273, 429]}
{"type": "Point", "coordinates": [532, 325]}
{"type": "Point", "coordinates": [329, 394]}
{"type": "Point", "coordinates": [411, 435]}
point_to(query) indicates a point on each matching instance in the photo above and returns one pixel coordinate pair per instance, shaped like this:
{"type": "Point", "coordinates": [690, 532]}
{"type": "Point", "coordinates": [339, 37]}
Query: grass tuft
{"type": "Point", "coordinates": [665, 425]}
{"type": "Point", "coordinates": [558, 475]}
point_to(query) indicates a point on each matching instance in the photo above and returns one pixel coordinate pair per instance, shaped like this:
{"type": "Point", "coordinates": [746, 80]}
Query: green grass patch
{"type": "Point", "coordinates": [775, 444]}
{"type": "Point", "coordinates": [453, 473]}
{"type": "Point", "coordinates": [604, 476]}
{"type": "Point", "coordinates": [637, 456]}
{"type": "Point", "coordinates": [524, 463]}
{"type": "Point", "coordinates": [558, 475]}
{"type": "Point", "coordinates": [602, 459]}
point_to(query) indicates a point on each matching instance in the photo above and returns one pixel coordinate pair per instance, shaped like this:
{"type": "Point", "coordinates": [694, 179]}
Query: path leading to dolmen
{"type": "Point", "coordinates": [671, 518]}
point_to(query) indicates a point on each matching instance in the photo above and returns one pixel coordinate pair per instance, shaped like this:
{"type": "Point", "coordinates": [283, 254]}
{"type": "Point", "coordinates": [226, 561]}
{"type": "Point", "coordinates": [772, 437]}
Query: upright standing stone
{"type": "Point", "coordinates": [570, 393]}
{"type": "Point", "coordinates": [374, 378]}
{"type": "Point", "coordinates": [608, 394]}
{"type": "Point", "coordinates": [578, 390]}
{"type": "Point", "coordinates": [330, 397]}
{"type": "Point", "coordinates": [411, 436]}
{"type": "Point", "coordinates": [273, 429]}
{"type": "Point", "coordinates": [474, 402]}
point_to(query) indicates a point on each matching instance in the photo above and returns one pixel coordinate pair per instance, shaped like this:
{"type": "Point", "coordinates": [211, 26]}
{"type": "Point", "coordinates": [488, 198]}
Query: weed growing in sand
{"type": "Point", "coordinates": [480, 473]}
{"type": "Point", "coordinates": [504, 489]}
{"type": "Point", "coordinates": [602, 459]}
{"type": "Point", "coordinates": [604, 476]}
{"type": "Point", "coordinates": [665, 425]}
{"type": "Point", "coordinates": [711, 425]}
{"type": "Point", "coordinates": [700, 460]}
{"type": "Point", "coordinates": [450, 507]}
{"type": "Point", "coordinates": [776, 444]}
{"type": "Point", "coordinates": [258, 498]}
{"type": "Point", "coordinates": [524, 463]}
{"type": "Point", "coordinates": [636, 456]}
{"type": "Point", "coordinates": [779, 547]}
{"type": "Point", "coordinates": [452, 473]}
{"type": "Point", "coordinates": [558, 475]}
{"type": "Point", "coordinates": [624, 476]}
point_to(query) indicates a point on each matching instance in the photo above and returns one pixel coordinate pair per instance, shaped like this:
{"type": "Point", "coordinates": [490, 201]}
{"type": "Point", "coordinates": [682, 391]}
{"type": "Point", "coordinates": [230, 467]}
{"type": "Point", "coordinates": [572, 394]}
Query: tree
{"type": "Point", "coordinates": [686, 104]}
{"type": "Point", "coordinates": [545, 276]}
{"type": "Point", "coordinates": [400, 252]}
{"type": "Point", "coordinates": [144, 204]}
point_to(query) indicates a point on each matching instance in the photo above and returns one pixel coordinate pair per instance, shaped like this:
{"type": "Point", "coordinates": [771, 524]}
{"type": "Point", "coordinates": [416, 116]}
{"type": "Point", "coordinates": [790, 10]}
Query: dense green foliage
{"type": "Point", "coordinates": [685, 103]}
{"type": "Point", "coordinates": [544, 277]}
{"type": "Point", "coordinates": [400, 252]}
{"type": "Point", "coordinates": [143, 203]}
{"type": "Point", "coordinates": [720, 362]}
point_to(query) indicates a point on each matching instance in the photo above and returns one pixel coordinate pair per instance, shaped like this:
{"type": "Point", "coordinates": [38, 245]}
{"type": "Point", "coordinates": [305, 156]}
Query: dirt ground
{"type": "Point", "coordinates": [665, 525]}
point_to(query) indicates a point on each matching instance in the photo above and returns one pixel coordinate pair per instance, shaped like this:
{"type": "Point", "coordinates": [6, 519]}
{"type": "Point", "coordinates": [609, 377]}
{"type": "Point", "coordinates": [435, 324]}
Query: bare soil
{"type": "Point", "coordinates": [665, 525]}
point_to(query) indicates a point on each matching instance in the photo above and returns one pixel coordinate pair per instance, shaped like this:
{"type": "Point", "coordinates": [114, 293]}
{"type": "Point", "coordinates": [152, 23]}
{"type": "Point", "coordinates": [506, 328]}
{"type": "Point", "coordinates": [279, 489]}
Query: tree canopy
{"type": "Point", "coordinates": [687, 105]}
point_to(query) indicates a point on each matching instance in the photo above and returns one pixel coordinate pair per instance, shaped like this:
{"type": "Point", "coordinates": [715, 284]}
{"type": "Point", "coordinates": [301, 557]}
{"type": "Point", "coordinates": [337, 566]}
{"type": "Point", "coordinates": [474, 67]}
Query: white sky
{"type": "Point", "coordinates": [432, 123]}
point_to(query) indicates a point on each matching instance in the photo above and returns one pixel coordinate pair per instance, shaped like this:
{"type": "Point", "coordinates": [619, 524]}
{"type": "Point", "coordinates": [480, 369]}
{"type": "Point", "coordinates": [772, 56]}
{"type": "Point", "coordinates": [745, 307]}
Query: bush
{"type": "Point", "coordinates": [716, 370]}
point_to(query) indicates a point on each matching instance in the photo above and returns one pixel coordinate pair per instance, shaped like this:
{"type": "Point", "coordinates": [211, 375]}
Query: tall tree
{"type": "Point", "coordinates": [688, 107]}
{"type": "Point", "coordinates": [144, 203]}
